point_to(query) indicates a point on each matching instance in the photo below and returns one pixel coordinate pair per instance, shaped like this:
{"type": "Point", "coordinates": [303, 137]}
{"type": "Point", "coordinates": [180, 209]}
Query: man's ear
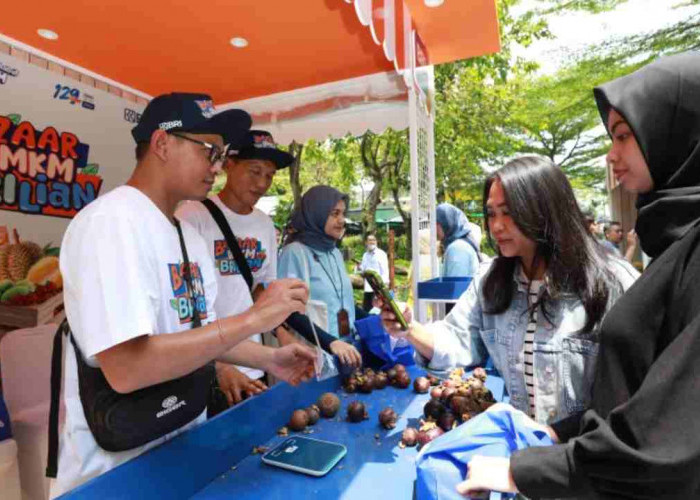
{"type": "Point", "coordinates": [159, 144]}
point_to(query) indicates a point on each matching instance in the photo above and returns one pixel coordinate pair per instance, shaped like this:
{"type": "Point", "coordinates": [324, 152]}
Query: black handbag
{"type": "Point", "coordinates": [121, 422]}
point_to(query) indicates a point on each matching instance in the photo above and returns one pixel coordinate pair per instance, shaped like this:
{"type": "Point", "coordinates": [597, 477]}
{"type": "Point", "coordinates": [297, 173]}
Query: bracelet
{"type": "Point", "coordinates": [220, 330]}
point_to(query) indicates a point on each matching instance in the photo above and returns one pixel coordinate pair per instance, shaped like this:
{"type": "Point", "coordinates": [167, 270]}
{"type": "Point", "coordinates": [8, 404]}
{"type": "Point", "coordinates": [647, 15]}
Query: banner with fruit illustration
{"type": "Point", "coordinates": [62, 144]}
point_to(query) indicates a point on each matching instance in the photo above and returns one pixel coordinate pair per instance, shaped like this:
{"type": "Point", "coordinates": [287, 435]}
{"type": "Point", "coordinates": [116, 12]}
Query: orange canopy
{"type": "Point", "coordinates": [156, 46]}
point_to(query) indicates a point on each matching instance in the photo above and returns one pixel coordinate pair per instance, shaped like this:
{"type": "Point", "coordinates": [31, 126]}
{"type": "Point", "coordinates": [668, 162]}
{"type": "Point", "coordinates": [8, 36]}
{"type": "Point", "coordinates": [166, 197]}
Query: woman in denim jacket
{"type": "Point", "coordinates": [543, 342]}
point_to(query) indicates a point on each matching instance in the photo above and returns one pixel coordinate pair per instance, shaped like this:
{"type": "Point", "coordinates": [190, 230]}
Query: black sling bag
{"type": "Point", "coordinates": [121, 422]}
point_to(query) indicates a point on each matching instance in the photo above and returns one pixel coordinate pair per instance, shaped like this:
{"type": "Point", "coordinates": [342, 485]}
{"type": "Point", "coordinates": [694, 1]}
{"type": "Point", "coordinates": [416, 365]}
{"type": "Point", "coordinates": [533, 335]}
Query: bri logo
{"type": "Point", "coordinates": [7, 71]}
{"type": "Point", "coordinates": [131, 116]}
{"type": "Point", "coordinates": [169, 125]}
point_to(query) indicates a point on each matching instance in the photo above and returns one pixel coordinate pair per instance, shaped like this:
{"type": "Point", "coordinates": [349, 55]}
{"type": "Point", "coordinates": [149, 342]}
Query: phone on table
{"type": "Point", "coordinates": [377, 284]}
{"type": "Point", "coordinates": [305, 455]}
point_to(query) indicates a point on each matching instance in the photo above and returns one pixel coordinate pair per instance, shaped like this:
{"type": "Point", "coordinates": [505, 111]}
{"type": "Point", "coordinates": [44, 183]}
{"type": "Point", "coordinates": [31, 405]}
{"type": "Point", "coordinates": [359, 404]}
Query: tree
{"type": "Point", "coordinates": [382, 154]}
{"type": "Point", "coordinates": [474, 129]}
{"type": "Point", "coordinates": [556, 117]}
{"type": "Point", "coordinates": [296, 150]}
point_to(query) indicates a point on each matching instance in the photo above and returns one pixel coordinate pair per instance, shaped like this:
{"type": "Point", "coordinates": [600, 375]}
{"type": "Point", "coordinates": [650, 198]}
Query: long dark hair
{"type": "Point", "coordinates": [543, 206]}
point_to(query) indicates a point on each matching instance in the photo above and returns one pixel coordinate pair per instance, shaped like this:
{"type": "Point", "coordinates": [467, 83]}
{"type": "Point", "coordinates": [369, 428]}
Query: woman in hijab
{"type": "Point", "coordinates": [536, 308]}
{"type": "Point", "coordinates": [311, 254]}
{"type": "Point", "coordinates": [640, 437]}
{"type": "Point", "coordinates": [461, 256]}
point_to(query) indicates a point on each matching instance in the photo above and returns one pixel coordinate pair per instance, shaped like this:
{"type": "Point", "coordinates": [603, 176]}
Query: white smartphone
{"type": "Point", "coordinates": [305, 455]}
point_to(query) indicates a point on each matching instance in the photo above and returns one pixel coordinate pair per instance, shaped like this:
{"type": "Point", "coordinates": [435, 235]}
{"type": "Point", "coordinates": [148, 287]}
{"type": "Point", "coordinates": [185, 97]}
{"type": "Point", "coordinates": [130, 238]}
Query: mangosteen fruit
{"type": "Point", "coordinates": [447, 394]}
{"type": "Point", "coordinates": [299, 420]}
{"type": "Point", "coordinates": [436, 392]}
{"type": "Point", "coordinates": [421, 385]}
{"type": "Point", "coordinates": [381, 380]}
{"type": "Point", "coordinates": [329, 404]}
{"type": "Point", "coordinates": [424, 437]}
{"type": "Point", "coordinates": [357, 411]}
{"type": "Point", "coordinates": [402, 380]}
{"type": "Point", "coordinates": [446, 421]}
{"type": "Point", "coordinates": [367, 384]}
{"type": "Point", "coordinates": [479, 373]}
{"type": "Point", "coordinates": [459, 404]}
{"type": "Point", "coordinates": [409, 437]}
{"type": "Point", "coordinates": [433, 409]}
{"type": "Point", "coordinates": [388, 418]}
{"type": "Point", "coordinates": [313, 413]}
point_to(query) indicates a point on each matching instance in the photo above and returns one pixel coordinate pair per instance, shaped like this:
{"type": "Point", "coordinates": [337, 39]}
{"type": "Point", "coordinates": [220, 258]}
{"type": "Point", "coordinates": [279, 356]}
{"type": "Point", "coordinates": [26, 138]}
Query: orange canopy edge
{"type": "Point", "coordinates": [157, 46]}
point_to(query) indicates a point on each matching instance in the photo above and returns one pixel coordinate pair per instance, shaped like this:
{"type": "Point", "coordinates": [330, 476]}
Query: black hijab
{"type": "Point", "coordinates": [661, 104]}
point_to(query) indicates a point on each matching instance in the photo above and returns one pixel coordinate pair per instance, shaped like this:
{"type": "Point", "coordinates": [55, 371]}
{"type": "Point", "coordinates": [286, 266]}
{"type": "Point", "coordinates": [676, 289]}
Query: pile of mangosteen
{"type": "Point", "coordinates": [452, 402]}
{"type": "Point", "coordinates": [368, 380]}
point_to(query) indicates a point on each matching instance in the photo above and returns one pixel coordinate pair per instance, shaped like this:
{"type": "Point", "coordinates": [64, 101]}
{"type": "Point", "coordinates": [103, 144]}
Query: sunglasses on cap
{"type": "Point", "coordinates": [216, 153]}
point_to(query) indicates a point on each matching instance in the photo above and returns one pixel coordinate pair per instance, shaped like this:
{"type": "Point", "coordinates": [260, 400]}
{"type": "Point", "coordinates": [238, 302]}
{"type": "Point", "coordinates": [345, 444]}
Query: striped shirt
{"type": "Point", "coordinates": [528, 357]}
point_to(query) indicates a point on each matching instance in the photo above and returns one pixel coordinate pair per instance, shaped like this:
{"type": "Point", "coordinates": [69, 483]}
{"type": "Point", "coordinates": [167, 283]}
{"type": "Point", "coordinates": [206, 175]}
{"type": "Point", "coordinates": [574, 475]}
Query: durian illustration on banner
{"type": "Point", "coordinates": [29, 274]}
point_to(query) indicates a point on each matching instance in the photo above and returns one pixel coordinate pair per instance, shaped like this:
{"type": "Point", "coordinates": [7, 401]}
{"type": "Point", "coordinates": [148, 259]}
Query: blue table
{"type": "Point", "coordinates": [214, 460]}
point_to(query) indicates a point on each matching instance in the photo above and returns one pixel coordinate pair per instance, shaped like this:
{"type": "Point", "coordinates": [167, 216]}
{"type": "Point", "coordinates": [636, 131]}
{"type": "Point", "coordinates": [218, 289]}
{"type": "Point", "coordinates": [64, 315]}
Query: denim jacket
{"type": "Point", "coordinates": [564, 357]}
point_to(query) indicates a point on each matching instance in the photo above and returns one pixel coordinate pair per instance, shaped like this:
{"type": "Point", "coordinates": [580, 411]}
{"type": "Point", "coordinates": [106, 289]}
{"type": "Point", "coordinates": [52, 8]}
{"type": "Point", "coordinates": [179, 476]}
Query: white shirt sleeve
{"type": "Point", "coordinates": [111, 288]}
{"type": "Point", "coordinates": [363, 263]}
{"type": "Point", "coordinates": [383, 266]}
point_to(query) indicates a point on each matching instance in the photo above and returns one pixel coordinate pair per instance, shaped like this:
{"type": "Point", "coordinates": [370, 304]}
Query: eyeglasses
{"type": "Point", "coordinates": [216, 154]}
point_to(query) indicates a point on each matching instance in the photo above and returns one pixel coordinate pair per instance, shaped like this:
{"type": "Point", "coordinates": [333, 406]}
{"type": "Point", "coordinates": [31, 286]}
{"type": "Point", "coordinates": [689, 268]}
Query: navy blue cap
{"type": "Point", "coordinates": [193, 113]}
{"type": "Point", "coordinates": [262, 147]}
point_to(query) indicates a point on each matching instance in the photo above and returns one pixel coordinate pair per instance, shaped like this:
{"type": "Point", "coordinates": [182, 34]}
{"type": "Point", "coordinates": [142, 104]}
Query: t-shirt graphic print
{"type": "Point", "coordinates": [252, 250]}
{"type": "Point", "coordinates": [186, 301]}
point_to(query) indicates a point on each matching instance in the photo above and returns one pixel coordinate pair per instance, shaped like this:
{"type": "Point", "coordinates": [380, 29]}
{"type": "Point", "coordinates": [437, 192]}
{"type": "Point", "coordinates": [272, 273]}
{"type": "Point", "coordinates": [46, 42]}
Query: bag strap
{"type": "Point", "coordinates": [187, 274]}
{"type": "Point", "coordinates": [231, 241]}
{"type": "Point", "coordinates": [56, 360]}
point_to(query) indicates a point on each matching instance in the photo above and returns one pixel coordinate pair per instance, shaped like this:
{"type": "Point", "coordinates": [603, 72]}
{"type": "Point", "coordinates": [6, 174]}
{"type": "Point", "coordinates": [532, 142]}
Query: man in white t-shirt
{"type": "Point", "coordinates": [374, 259]}
{"type": "Point", "coordinates": [249, 175]}
{"type": "Point", "coordinates": [127, 299]}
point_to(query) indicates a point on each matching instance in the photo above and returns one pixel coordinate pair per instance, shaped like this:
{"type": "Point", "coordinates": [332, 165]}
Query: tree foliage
{"type": "Point", "coordinates": [491, 108]}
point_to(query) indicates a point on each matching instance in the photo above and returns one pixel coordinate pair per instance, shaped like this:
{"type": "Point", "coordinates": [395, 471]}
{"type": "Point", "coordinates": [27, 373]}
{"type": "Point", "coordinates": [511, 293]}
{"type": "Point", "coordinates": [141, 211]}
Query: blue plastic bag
{"type": "Point", "coordinates": [377, 341]}
{"type": "Point", "coordinates": [442, 464]}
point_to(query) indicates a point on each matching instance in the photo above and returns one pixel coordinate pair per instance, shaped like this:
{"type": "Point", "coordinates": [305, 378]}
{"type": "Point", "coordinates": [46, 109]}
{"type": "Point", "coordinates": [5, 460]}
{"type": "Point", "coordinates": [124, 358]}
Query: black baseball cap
{"type": "Point", "coordinates": [194, 113]}
{"type": "Point", "coordinates": [262, 147]}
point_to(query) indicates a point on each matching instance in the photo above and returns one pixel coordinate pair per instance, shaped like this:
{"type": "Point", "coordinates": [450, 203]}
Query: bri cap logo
{"type": "Point", "coordinates": [206, 106]}
{"type": "Point", "coordinates": [169, 125]}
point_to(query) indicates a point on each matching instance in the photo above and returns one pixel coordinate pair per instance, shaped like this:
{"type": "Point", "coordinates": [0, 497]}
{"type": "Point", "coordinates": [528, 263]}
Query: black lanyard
{"type": "Point", "coordinates": [330, 278]}
{"type": "Point", "coordinates": [187, 274]}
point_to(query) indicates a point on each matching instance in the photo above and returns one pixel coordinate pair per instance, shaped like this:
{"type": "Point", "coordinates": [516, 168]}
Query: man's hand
{"type": "Point", "coordinates": [280, 299]}
{"type": "Point", "coordinates": [487, 474]}
{"type": "Point", "coordinates": [293, 363]}
{"type": "Point", "coordinates": [391, 324]}
{"type": "Point", "coordinates": [236, 384]}
{"type": "Point", "coordinates": [347, 353]}
{"type": "Point", "coordinates": [632, 240]}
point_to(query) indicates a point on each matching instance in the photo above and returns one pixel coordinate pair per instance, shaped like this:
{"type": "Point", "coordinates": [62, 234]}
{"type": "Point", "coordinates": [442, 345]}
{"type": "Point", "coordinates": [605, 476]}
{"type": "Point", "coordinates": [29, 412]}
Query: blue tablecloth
{"type": "Point", "coordinates": [215, 461]}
